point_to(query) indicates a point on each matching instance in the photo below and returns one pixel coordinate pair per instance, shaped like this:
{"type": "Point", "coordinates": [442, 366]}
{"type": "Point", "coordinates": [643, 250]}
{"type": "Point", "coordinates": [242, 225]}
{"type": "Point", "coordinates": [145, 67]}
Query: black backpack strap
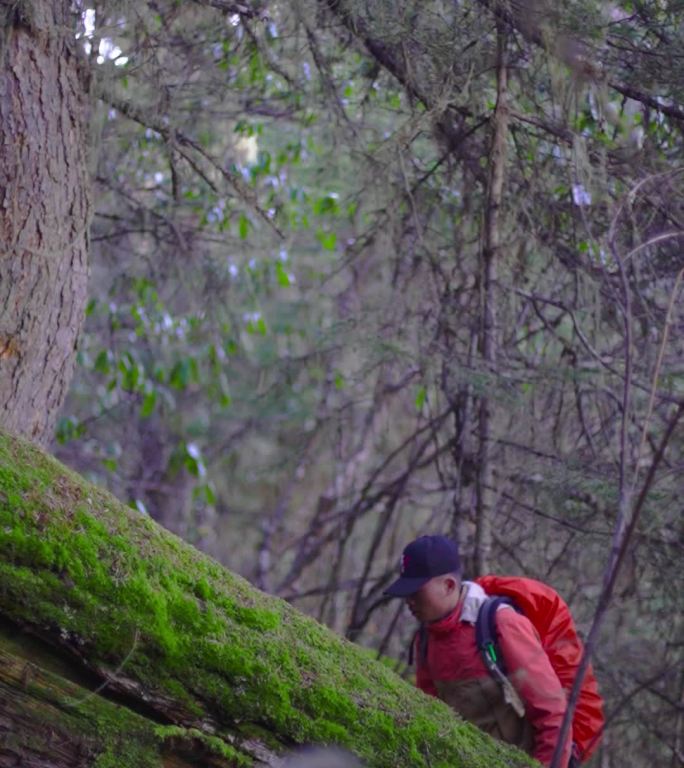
{"type": "Point", "coordinates": [421, 634]}
{"type": "Point", "coordinates": [485, 634]}
{"type": "Point", "coordinates": [574, 758]}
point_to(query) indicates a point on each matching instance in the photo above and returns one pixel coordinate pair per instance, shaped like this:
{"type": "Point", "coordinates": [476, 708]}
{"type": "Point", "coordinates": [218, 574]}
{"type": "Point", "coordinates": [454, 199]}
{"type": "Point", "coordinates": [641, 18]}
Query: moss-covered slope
{"type": "Point", "coordinates": [185, 644]}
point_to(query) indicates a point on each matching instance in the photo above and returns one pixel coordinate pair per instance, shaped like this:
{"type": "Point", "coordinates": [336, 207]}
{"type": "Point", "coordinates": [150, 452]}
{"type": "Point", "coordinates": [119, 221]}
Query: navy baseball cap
{"type": "Point", "coordinates": [422, 560]}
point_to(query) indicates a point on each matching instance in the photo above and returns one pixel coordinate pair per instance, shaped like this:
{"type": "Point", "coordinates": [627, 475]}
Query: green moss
{"type": "Point", "coordinates": [80, 565]}
{"type": "Point", "coordinates": [194, 738]}
{"type": "Point", "coordinates": [63, 710]}
{"type": "Point", "coordinates": [329, 732]}
{"type": "Point", "coordinates": [202, 589]}
{"type": "Point", "coordinates": [127, 755]}
{"type": "Point", "coordinates": [337, 705]}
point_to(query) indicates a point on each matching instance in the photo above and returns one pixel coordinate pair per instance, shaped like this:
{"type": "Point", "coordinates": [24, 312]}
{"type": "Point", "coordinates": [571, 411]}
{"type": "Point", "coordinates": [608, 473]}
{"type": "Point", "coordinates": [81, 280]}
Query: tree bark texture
{"type": "Point", "coordinates": [49, 717]}
{"type": "Point", "coordinates": [121, 645]}
{"type": "Point", "coordinates": [44, 213]}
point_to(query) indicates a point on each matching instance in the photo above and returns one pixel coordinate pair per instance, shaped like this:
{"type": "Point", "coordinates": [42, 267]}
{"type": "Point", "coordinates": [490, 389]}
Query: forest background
{"type": "Point", "coordinates": [363, 270]}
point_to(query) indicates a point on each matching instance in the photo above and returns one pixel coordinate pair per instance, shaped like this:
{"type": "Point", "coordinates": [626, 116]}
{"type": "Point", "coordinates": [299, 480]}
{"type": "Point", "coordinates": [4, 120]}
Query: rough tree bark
{"type": "Point", "coordinates": [44, 212]}
{"type": "Point", "coordinates": [120, 645]}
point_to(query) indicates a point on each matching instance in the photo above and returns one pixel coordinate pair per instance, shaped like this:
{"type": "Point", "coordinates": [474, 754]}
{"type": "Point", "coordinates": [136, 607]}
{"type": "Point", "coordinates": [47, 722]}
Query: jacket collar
{"type": "Point", "coordinates": [472, 597]}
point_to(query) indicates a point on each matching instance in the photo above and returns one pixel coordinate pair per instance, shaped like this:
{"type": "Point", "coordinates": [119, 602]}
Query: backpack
{"type": "Point", "coordinates": [551, 617]}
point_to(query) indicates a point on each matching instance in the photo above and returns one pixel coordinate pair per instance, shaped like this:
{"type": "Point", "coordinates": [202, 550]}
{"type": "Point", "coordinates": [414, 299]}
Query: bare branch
{"type": "Point", "coordinates": [258, 11]}
{"type": "Point", "coordinates": [181, 142]}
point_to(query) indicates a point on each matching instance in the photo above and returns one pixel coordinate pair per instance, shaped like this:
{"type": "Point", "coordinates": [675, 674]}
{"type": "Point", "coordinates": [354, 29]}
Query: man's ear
{"type": "Point", "coordinates": [451, 583]}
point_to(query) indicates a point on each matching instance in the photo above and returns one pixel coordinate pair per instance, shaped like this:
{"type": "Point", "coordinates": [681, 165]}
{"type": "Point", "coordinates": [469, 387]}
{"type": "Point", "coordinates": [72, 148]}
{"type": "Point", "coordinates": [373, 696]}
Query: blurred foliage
{"type": "Point", "coordinates": [283, 356]}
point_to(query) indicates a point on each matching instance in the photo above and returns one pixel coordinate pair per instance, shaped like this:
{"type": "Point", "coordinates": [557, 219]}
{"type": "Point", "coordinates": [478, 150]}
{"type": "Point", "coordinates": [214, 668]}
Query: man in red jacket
{"type": "Point", "coordinates": [527, 710]}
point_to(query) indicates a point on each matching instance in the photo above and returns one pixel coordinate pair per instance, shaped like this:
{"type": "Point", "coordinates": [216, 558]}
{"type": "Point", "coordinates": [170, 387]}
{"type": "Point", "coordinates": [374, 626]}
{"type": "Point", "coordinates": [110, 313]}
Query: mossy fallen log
{"type": "Point", "coordinates": [120, 645]}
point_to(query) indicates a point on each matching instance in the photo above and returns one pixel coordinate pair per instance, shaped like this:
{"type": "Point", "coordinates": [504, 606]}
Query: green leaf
{"type": "Point", "coordinates": [69, 428]}
{"type": "Point", "coordinates": [281, 275]}
{"type": "Point", "coordinates": [192, 465]}
{"type": "Point", "coordinates": [421, 397]}
{"type": "Point", "coordinates": [327, 204]}
{"type": "Point", "coordinates": [224, 390]}
{"type": "Point", "coordinates": [148, 403]}
{"type": "Point", "coordinates": [193, 460]}
{"type": "Point", "coordinates": [243, 226]}
{"type": "Point", "coordinates": [212, 354]}
{"type": "Point", "coordinates": [181, 374]}
{"type": "Point", "coordinates": [145, 289]}
{"type": "Point", "coordinates": [101, 364]}
{"type": "Point", "coordinates": [264, 165]}
{"type": "Point", "coordinates": [205, 492]}
{"type": "Point", "coordinates": [225, 400]}
{"type": "Point", "coordinates": [210, 494]}
{"type": "Point", "coordinates": [130, 373]}
{"type": "Point", "coordinates": [339, 380]}
{"type": "Point", "coordinates": [327, 239]}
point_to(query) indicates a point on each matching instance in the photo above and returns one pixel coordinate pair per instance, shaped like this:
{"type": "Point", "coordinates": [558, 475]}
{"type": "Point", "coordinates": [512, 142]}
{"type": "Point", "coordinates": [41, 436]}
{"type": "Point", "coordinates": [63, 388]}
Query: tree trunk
{"type": "Point", "coordinates": [44, 213]}
{"type": "Point", "coordinates": [121, 645]}
{"type": "Point", "coordinates": [486, 496]}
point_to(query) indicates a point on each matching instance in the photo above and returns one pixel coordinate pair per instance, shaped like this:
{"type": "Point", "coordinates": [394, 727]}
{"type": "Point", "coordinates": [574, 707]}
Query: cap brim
{"type": "Point", "coordinates": [404, 587]}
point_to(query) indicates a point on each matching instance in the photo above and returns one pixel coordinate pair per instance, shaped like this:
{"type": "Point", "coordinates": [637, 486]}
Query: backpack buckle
{"type": "Point", "coordinates": [490, 651]}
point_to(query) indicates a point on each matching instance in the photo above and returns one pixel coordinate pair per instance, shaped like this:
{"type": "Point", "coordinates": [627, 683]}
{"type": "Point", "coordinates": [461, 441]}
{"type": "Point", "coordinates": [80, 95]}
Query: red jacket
{"type": "Point", "coordinates": [453, 659]}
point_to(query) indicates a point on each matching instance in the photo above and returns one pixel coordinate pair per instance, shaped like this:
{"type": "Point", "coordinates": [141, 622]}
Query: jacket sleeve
{"type": "Point", "coordinates": [530, 671]}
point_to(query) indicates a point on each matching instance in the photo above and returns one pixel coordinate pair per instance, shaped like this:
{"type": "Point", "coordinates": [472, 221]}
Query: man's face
{"type": "Point", "coordinates": [435, 599]}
